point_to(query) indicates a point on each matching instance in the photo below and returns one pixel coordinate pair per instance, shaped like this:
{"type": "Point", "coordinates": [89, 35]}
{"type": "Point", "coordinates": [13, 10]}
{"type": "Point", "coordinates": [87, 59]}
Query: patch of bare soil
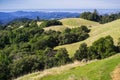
{"type": "Point", "coordinates": [116, 74]}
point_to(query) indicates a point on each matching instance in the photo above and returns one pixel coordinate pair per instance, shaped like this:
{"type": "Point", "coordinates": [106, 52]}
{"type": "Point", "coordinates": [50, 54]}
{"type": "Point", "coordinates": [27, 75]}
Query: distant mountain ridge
{"type": "Point", "coordinates": [6, 17]}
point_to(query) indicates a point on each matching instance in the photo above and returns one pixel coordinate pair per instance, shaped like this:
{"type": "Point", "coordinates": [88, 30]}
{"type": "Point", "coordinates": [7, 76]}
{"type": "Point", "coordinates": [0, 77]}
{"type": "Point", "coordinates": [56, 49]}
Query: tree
{"type": "Point", "coordinates": [62, 56]}
{"type": "Point", "coordinates": [49, 60]}
{"type": "Point", "coordinates": [33, 24]}
{"type": "Point", "coordinates": [67, 30]}
{"type": "Point", "coordinates": [67, 38]}
{"type": "Point", "coordinates": [1, 27]}
{"type": "Point", "coordinates": [26, 24]}
{"type": "Point", "coordinates": [84, 28]}
{"type": "Point", "coordinates": [73, 35]}
{"type": "Point", "coordinates": [4, 39]}
{"type": "Point", "coordinates": [82, 53]}
{"type": "Point", "coordinates": [95, 16]}
{"type": "Point", "coordinates": [92, 53]}
{"type": "Point", "coordinates": [50, 23]}
{"type": "Point", "coordinates": [26, 65]}
{"type": "Point", "coordinates": [4, 69]}
{"type": "Point", "coordinates": [104, 47]}
{"type": "Point", "coordinates": [38, 18]}
{"type": "Point", "coordinates": [118, 45]}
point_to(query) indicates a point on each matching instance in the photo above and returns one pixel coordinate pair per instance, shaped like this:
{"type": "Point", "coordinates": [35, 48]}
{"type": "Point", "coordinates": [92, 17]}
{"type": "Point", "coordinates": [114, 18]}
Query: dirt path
{"type": "Point", "coordinates": [116, 74]}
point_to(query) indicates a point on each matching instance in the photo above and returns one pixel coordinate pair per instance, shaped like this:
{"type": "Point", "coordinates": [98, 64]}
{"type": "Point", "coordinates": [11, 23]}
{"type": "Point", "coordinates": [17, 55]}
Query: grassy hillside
{"type": "Point", "coordinates": [72, 23]}
{"type": "Point", "coordinates": [96, 70]}
{"type": "Point", "coordinates": [56, 28]}
{"type": "Point", "coordinates": [112, 28]}
{"type": "Point", "coordinates": [78, 22]}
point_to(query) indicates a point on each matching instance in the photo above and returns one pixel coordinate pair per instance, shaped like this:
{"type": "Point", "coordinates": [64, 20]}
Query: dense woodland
{"type": "Point", "coordinates": [30, 48]}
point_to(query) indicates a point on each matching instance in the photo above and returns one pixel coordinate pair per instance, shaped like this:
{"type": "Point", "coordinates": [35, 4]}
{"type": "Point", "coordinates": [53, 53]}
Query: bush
{"type": "Point", "coordinates": [82, 53]}
{"type": "Point", "coordinates": [100, 49]}
{"type": "Point", "coordinates": [104, 47]}
{"type": "Point", "coordinates": [26, 65]}
{"type": "Point", "coordinates": [62, 56]}
{"type": "Point", "coordinates": [67, 38]}
{"type": "Point", "coordinates": [73, 35]}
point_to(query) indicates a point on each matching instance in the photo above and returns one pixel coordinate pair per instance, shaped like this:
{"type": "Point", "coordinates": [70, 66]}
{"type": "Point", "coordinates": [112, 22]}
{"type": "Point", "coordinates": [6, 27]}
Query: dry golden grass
{"type": "Point", "coordinates": [72, 23]}
{"type": "Point", "coordinates": [56, 28]}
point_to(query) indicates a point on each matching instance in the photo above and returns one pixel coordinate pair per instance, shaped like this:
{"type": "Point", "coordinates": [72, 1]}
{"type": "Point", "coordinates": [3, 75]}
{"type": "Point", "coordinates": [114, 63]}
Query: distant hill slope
{"type": "Point", "coordinates": [112, 29]}
{"type": "Point", "coordinates": [72, 23]}
{"type": "Point", "coordinates": [96, 70]}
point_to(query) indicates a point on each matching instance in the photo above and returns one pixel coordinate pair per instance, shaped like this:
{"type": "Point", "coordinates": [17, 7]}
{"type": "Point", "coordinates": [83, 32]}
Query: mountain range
{"type": "Point", "coordinates": [6, 17]}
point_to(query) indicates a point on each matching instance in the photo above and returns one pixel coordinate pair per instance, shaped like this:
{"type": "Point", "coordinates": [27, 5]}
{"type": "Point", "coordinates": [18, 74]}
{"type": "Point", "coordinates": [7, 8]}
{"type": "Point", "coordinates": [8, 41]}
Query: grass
{"type": "Point", "coordinates": [58, 70]}
{"type": "Point", "coordinates": [56, 28]}
{"type": "Point", "coordinates": [72, 23]}
{"type": "Point", "coordinates": [96, 70]}
{"type": "Point", "coordinates": [112, 29]}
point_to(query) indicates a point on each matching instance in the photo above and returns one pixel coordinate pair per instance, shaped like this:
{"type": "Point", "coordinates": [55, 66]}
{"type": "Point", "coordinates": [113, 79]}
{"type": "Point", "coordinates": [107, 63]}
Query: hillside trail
{"type": "Point", "coordinates": [116, 73]}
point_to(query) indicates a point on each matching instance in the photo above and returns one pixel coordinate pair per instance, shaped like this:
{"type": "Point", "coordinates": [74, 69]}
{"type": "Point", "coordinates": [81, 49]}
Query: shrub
{"type": "Point", "coordinates": [62, 56]}
{"type": "Point", "coordinates": [102, 48]}
{"type": "Point", "coordinates": [82, 53]}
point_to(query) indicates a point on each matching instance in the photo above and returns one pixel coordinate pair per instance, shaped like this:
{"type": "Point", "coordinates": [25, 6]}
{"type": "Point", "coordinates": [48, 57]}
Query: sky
{"type": "Point", "coordinates": [59, 4]}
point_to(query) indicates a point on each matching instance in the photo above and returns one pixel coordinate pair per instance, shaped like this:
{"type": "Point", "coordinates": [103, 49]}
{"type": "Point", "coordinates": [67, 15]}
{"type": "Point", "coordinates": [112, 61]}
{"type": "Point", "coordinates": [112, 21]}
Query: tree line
{"type": "Point", "coordinates": [94, 16]}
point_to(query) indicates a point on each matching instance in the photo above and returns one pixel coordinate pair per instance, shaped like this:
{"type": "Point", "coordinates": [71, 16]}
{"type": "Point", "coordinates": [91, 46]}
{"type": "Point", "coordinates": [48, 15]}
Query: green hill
{"type": "Point", "coordinates": [112, 29]}
{"type": "Point", "coordinates": [72, 23]}
{"type": "Point", "coordinates": [94, 70]}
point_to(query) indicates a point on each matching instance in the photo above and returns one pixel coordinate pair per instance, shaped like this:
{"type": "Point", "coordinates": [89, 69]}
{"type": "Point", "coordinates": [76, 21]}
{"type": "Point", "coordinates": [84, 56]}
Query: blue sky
{"type": "Point", "coordinates": [59, 4]}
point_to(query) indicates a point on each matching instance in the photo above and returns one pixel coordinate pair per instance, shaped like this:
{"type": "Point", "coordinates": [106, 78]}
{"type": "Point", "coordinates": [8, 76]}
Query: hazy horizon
{"type": "Point", "coordinates": [59, 4]}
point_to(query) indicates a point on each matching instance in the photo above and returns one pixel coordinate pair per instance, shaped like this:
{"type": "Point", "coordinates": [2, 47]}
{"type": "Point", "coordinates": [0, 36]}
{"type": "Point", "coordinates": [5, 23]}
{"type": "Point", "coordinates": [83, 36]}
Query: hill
{"type": "Point", "coordinates": [72, 23]}
{"type": "Point", "coordinates": [97, 32]}
{"type": "Point", "coordinates": [95, 70]}
{"type": "Point", "coordinates": [78, 22]}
